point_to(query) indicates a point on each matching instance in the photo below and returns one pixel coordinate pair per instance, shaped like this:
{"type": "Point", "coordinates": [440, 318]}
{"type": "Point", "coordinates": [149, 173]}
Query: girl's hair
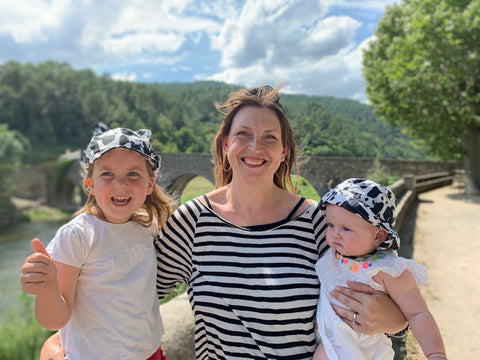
{"type": "Point", "coordinates": [157, 204]}
{"type": "Point", "coordinates": [263, 97]}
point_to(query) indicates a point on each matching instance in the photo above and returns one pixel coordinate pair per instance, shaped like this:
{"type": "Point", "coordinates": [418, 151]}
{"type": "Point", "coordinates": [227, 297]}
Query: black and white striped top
{"type": "Point", "coordinates": [253, 290]}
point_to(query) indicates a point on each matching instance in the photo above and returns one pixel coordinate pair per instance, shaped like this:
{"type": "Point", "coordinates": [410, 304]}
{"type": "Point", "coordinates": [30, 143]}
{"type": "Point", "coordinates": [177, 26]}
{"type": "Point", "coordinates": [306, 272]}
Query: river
{"type": "Point", "coordinates": [14, 248]}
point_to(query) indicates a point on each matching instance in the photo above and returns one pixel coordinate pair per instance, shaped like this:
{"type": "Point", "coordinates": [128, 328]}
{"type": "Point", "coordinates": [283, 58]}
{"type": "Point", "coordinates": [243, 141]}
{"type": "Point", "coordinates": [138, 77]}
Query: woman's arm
{"type": "Point", "coordinates": [376, 312]}
{"type": "Point", "coordinates": [405, 292]}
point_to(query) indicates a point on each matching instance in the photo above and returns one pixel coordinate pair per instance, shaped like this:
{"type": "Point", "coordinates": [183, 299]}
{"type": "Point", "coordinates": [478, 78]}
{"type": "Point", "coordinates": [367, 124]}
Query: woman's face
{"type": "Point", "coordinates": [254, 146]}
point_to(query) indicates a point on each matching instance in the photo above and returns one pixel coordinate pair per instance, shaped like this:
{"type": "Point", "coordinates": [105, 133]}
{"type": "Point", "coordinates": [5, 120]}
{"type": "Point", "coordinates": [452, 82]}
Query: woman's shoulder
{"type": "Point", "coordinates": [192, 207]}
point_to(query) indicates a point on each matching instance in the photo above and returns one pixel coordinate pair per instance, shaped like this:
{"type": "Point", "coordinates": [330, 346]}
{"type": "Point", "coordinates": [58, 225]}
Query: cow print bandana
{"type": "Point", "coordinates": [105, 140]}
{"type": "Point", "coordinates": [369, 200]}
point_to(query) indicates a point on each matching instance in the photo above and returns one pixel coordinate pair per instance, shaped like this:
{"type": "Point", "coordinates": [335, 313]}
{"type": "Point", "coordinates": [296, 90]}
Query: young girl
{"type": "Point", "coordinates": [96, 283]}
{"type": "Point", "coordinates": [362, 239]}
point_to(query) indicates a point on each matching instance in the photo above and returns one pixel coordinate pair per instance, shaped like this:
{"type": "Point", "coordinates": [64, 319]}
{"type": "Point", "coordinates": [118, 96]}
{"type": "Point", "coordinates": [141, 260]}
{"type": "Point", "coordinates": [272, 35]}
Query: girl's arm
{"type": "Point", "coordinates": [377, 312]}
{"type": "Point", "coordinates": [52, 348]}
{"type": "Point", "coordinates": [405, 292]}
{"type": "Point", "coordinates": [53, 284]}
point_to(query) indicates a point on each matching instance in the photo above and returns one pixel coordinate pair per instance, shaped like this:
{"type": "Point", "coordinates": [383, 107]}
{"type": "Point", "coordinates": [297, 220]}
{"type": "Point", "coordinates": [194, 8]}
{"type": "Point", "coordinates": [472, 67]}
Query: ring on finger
{"type": "Point", "coordinates": [354, 321]}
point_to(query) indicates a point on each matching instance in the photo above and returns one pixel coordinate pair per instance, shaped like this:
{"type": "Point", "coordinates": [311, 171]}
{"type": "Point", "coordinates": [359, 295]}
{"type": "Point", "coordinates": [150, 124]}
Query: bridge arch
{"type": "Point", "coordinates": [178, 169]}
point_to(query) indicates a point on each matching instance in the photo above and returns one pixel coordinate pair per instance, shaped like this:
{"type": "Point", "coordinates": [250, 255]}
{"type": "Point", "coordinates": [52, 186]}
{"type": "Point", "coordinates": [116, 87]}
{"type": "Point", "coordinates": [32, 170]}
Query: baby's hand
{"type": "Point", "coordinates": [38, 273]}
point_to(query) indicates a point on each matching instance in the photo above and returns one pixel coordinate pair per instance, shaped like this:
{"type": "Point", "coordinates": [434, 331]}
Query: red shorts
{"type": "Point", "coordinates": [158, 355]}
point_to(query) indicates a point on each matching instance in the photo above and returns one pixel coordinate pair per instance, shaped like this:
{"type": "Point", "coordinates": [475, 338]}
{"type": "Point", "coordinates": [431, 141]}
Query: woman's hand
{"type": "Point", "coordinates": [376, 312]}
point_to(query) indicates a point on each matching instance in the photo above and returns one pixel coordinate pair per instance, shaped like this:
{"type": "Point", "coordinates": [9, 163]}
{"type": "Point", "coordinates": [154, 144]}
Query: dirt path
{"type": "Point", "coordinates": [447, 241]}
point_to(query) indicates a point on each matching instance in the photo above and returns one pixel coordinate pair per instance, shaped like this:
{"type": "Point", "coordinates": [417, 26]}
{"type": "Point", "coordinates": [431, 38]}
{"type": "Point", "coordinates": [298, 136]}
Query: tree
{"type": "Point", "coordinates": [13, 145]}
{"type": "Point", "coordinates": [423, 72]}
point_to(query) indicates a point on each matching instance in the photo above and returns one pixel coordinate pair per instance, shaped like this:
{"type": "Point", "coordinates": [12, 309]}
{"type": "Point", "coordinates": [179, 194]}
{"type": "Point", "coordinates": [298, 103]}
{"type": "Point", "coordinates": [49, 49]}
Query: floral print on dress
{"type": "Point", "coordinates": [356, 265]}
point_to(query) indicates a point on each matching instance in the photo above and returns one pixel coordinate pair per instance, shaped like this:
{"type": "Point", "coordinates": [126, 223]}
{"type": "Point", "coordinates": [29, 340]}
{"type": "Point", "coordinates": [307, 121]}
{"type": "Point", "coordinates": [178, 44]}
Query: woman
{"type": "Point", "coordinates": [247, 250]}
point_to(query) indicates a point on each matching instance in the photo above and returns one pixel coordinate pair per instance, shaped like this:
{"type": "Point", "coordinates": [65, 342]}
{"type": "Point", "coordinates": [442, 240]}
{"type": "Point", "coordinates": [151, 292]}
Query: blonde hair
{"type": "Point", "coordinates": [157, 205]}
{"type": "Point", "coordinates": [263, 97]}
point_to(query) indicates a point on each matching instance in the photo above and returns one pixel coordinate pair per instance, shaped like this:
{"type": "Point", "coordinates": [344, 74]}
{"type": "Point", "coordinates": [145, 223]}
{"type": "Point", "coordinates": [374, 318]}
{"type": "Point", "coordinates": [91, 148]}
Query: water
{"type": "Point", "coordinates": [14, 249]}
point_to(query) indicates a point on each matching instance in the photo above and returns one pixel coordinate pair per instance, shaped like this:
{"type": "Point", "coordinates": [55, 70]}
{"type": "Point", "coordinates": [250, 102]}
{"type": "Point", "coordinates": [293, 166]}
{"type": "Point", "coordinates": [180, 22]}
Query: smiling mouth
{"type": "Point", "coordinates": [121, 200]}
{"type": "Point", "coordinates": [254, 162]}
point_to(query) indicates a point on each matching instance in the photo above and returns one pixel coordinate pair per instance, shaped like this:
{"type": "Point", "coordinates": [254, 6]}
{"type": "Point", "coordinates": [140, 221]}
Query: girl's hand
{"type": "Point", "coordinates": [376, 312]}
{"type": "Point", "coordinates": [39, 273]}
{"type": "Point", "coordinates": [52, 348]}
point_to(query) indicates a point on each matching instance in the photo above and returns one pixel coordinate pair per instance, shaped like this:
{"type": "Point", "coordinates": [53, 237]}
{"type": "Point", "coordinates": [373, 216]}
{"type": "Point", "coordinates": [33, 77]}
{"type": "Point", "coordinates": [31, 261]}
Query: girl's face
{"type": "Point", "coordinates": [120, 183]}
{"type": "Point", "coordinates": [349, 234]}
{"type": "Point", "coordinates": [254, 145]}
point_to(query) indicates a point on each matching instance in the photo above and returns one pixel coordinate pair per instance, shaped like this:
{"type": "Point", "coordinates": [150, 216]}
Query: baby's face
{"type": "Point", "coordinates": [348, 233]}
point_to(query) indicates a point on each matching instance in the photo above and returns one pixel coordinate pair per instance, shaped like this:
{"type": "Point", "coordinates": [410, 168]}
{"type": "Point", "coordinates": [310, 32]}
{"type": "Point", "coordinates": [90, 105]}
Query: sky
{"type": "Point", "coordinates": [310, 47]}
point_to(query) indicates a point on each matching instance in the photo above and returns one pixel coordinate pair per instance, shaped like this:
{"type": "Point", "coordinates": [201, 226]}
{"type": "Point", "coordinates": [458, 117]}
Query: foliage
{"type": "Point", "coordinates": [21, 337]}
{"type": "Point", "coordinates": [423, 72]}
{"type": "Point", "coordinates": [55, 107]}
{"type": "Point", "coordinates": [379, 174]}
{"type": "Point", "coordinates": [13, 146]}
{"type": "Point", "coordinates": [305, 189]}
{"type": "Point", "coordinates": [180, 289]}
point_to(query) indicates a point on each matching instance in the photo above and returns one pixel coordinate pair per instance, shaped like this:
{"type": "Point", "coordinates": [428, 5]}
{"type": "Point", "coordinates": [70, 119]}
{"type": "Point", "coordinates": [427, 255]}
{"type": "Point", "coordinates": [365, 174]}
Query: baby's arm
{"type": "Point", "coordinates": [405, 292]}
{"type": "Point", "coordinates": [53, 284]}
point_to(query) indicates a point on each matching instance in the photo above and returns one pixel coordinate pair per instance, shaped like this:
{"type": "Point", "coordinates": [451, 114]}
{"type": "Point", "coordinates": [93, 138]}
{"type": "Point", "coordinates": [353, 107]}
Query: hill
{"type": "Point", "coordinates": [54, 107]}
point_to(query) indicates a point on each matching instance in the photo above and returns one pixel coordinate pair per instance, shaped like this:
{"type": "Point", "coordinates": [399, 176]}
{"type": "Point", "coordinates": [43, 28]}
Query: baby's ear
{"type": "Point", "coordinates": [380, 236]}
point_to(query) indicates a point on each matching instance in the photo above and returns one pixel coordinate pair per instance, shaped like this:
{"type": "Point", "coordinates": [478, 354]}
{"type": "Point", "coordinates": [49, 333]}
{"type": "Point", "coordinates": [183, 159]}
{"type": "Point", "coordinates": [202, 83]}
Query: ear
{"type": "Point", "coordinates": [285, 152]}
{"type": "Point", "coordinates": [89, 182]}
{"type": "Point", "coordinates": [380, 236]}
{"type": "Point", "coordinates": [225, 144]}
{"type": "Point", "coordinates": [151, 184]}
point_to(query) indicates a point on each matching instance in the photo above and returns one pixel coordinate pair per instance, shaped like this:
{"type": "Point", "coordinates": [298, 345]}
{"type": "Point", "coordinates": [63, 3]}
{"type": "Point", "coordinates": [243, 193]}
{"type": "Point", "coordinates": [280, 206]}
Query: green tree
{"type": "Point", "coordinates": [423, 72]}
{"type": "Point", "coordinates": [13, 145]}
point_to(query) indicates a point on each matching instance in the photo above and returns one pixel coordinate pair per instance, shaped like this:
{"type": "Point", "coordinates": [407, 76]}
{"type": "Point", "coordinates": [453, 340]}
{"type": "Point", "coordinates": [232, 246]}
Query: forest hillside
{"type": "Point", "coordinates": [53, 107]}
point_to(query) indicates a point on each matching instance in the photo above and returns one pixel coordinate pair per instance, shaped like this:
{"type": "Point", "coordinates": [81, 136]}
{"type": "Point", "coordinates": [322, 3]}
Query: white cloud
{"type": "Point", "coordinates": [27, 21]}
{"type": "Point", "coordinates": [312, 45]}
{"type": "Point", "coordinates": [124, 77]}
{"type": "Point", "coordinates": [293, 43]}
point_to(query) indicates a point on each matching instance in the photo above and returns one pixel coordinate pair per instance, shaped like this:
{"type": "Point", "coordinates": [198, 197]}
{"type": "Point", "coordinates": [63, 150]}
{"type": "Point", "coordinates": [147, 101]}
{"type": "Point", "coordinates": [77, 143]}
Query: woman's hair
{"type": "Point", "coordinates": [157, 204]}
{"type": "Point", "coordinates": [263, 97]}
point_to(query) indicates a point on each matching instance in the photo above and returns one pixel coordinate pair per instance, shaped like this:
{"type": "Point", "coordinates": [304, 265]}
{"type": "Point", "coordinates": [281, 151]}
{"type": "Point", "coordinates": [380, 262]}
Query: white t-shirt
{"type": "Point", "coordinates": [116, 313]}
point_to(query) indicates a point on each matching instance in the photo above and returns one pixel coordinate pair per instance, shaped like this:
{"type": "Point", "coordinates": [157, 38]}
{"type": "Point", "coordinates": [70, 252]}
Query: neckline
{"type": "Point", "coordinates": [262, 227]}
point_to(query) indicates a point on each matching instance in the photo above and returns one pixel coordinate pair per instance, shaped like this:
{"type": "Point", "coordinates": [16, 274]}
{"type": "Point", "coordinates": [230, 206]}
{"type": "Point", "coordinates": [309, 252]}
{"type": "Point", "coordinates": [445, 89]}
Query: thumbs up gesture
{"type": "Point", "coordinates": [38, 273]}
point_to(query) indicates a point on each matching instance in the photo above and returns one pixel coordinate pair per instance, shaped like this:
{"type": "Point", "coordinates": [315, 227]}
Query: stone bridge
{"type": "Point", "coordinates": [179, 169]}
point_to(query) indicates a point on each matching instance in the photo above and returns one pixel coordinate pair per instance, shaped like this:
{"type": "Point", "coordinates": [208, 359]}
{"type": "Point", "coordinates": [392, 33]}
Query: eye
{"type": "Point", "coordinates": [346, 229]}
{"type": "Point", "coordinates": [133, 173]}
{"type": "Point", "coordinates": [107, 174]}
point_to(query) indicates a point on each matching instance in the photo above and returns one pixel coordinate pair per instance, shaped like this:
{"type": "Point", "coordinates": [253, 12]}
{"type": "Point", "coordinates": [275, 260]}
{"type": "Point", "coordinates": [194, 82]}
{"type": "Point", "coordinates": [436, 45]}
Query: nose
{"type": "Point", "coordinates": [335, 232]}
{"type": "Point", "coordinates": [120, 181]}
{"type": "Point", "coordinates": [255, 143]}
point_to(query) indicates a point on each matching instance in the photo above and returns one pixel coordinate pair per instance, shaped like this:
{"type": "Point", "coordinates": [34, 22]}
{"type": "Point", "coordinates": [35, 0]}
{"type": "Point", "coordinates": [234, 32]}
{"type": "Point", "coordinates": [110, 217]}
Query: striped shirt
{"type": "Point", "coordinates": [253, 290]}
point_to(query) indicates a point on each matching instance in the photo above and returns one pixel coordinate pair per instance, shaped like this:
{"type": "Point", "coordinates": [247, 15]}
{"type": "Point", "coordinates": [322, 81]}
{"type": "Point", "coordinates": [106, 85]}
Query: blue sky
{"type": "Point", "coordinates": [311, 47]}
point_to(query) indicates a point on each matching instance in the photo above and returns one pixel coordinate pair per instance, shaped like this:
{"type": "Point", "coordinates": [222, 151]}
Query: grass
{"type": "Point", "coordinates": [199, 186]}
{"type": "Point", "coordinates": [44, 214]}
{"type": "Point", "coordinates": [21, 337]}
{"type": "Point", "coordinates": [414, 351]}
{"type": "Point", "coordinates": [196, 187]}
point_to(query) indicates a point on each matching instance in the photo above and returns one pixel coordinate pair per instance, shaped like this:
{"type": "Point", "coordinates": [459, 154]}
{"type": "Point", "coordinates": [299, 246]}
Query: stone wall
{"type": "Point", "coordinates": [325, 172]}
{"type": "Point", "coordinates": [178, 169]}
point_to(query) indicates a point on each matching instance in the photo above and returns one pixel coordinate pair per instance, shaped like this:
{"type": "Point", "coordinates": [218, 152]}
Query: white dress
{"type": "Point", "coordinates": [116, 313]}
{"type": "Point", "coordinates": [339, 340]}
